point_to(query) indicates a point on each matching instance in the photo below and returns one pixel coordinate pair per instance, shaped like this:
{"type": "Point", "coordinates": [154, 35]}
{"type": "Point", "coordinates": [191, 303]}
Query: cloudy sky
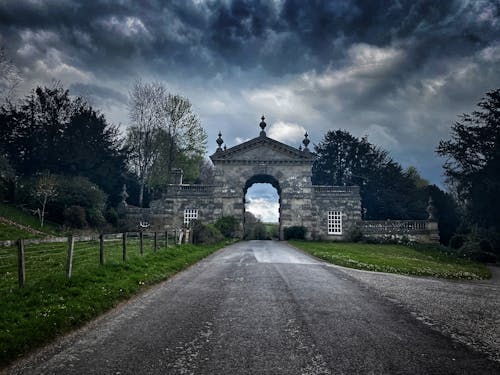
{"type": "Point", "coordinates": [397, 71]}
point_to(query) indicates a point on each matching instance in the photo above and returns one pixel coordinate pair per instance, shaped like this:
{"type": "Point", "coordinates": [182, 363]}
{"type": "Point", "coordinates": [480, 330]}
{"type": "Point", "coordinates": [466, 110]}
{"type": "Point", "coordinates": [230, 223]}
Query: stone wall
{"type": "Point", "coordinates": [345, 199]}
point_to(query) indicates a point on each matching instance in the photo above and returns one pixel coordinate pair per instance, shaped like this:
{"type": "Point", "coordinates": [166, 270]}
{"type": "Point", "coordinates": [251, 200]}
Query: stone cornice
{"type": "Point", "coordinates": [295, 155]}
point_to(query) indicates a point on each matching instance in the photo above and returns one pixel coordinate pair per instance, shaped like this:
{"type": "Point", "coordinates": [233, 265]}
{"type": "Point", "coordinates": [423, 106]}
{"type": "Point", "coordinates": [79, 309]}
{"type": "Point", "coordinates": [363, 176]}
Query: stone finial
{"type": "Point", "coordinates": [262, 126]}
{"type": "Point", "coordinates": [219, 141]}
{"type": "Point", "coordinates": [306, 142]}
{"type": "Point", "coordinates": [431, 210]}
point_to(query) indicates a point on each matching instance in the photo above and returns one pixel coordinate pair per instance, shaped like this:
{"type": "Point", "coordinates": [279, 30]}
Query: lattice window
{"type": "Point", "coordinates": [190, 214]}
{"type": "Point", "coordinates": [334, 222]}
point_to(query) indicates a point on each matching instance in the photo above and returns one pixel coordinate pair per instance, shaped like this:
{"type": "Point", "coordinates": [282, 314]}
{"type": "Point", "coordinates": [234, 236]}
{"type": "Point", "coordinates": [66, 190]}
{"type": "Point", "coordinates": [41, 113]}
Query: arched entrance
{"type": "Point", "coordinates": [260, 179]}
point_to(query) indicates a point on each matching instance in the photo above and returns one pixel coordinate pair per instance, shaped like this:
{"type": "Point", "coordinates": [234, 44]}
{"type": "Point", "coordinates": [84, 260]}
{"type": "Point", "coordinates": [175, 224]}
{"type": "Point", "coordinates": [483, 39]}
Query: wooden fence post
{"type": "Point", "coordinates": [124, 246]}
{"type": "Point", "coordinates": [101, 249]}
{"type": "Point", "coordinates": [166, 239]}
{"type": "Point", "coordinates": [140, 242]}
{"type": "Point", "coordinates": [155, 243]}
{"type": "Point", "coordinates": [20, 262]}
{"type": "Point", "coordinates": [69, 263]}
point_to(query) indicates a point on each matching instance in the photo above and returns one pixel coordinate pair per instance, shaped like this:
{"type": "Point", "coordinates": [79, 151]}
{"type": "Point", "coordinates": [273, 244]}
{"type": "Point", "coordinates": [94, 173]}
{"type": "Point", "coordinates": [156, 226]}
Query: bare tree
{"type": "Point", "coordinates": [145, 111]}
{"type": "Point", "coordinates": [9, 77]}
{"type": "Point", "coordinates": [45, 190]}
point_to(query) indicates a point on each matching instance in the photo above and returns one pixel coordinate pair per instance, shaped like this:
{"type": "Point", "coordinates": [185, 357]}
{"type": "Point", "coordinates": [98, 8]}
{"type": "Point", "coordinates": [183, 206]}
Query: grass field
{"type": "Point", "coordinates": [50, 304]}
{"type": "Point", "coordinates": [395, 259]}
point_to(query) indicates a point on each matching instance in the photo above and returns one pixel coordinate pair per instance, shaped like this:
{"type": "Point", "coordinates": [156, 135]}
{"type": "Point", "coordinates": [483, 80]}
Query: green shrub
{"type": "Point", "coordinates": [95, 217]}
{"type": "Point", "coordinates": [472, 250]}
{"type": "Point", "coordinates": [295, 233]}
{"type": "Point", "coordinates": [74, 216]}
{"type": "Point", "coordinates": [260, 232]}
{"type": "Point", "coordinates": [205, 234]}
{"type": "Point", "coordinates": [228, 226]}
{"type": "Point", "coordinates": [485, 246]}
{"type": "Point", "coordinates": [457, 241]}
{"type": "Point", "coordinates": [356, 235]}
{"type": "Point", "coordinates": [111, 216]}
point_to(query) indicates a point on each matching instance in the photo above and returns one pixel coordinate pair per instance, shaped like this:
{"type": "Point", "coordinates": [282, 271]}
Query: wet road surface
{"type": "Point", "coordinates": [258, 307]}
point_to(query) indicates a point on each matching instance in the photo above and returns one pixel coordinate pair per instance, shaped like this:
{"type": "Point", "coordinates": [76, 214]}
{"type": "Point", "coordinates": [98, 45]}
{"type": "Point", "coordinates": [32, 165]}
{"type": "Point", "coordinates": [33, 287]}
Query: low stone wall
{"type": "Point", "coordinates": [424, 231]}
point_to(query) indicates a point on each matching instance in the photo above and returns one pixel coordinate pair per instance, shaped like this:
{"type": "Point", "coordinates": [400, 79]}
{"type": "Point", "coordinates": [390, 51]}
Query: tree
{"type": "Point", "coordinates": [9, 77]}
{"type": "Point", "coordinates": [45, 189]}
{"type": "Point", "coordinates": [146, 114]}
{"type": "Point", "coordinates": [387, 192]}
{"type": "Point", "coordinates": [184, 130]}
{"type": "Point", "coordinates": [165, 134]}
{"type": "Point", "coordinates": [472, 163]}
{"type": "Point", "coordinates": [49, 130]}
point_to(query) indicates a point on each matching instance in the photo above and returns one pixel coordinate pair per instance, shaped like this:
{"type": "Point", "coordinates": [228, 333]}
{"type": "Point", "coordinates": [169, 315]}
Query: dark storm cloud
{"type": "Point", "coordinates": [282, 37]}
{"type": "Point", "coordinates": [97, 94]}
{"type": "Point", "coordinates": [399, 71]}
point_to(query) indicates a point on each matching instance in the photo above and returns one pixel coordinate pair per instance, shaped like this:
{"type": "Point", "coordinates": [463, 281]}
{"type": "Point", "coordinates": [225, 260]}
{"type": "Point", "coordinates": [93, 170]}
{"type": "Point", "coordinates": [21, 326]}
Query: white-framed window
{"type": "Point", "coordinates": [190, 214]}
{"type": "Point", "coordinates": [334, 222]}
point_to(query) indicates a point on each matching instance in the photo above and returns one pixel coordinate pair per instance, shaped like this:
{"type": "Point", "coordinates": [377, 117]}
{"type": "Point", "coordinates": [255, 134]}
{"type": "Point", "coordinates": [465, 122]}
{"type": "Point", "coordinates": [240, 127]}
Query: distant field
{"type": "Point", "coordinates": [395, 259]}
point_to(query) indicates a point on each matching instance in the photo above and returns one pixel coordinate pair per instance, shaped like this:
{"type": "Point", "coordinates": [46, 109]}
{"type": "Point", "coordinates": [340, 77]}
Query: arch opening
{"type": "Point", "coordinates": [262, 207]}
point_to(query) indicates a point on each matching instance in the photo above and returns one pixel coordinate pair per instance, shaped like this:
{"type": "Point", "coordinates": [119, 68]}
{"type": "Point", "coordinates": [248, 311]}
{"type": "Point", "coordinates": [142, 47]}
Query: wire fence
{"type": "Point", "coordinates": [29, 261]}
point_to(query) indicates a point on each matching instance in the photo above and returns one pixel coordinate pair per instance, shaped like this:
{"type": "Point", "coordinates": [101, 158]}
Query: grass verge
{"type": "Point", "coordinates": [395, 259]}
{"type": "Point", "coordinates": [42, 310]}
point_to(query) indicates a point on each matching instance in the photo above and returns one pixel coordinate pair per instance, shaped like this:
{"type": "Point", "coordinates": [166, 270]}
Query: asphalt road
{"type": "Point", "coordinates": [258, 307]}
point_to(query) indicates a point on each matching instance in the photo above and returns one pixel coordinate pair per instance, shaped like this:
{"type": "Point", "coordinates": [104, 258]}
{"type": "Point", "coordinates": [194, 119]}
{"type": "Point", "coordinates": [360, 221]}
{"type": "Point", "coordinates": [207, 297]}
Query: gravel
{"type": "Point", "coordinates": [466, 311]}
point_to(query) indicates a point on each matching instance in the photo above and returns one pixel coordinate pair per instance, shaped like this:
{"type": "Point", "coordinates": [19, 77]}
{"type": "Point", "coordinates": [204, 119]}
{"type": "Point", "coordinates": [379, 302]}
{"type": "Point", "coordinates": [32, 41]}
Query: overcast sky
{"type": "Point", "coordinates": [399, 72]}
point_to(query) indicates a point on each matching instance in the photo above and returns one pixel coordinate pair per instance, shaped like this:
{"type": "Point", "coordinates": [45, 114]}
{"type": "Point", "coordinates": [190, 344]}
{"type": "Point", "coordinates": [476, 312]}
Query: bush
{"type": "Point", "coordinates": [472, 250]}
{"type": "Point", "coordinates": [356, 235]}
{"type": "Point", "coordinates": [295, 233]}
{"type": "Point", "coordinates": [457, 241]}
{"type": "Point", "coordinates": [74, 216]}
{"type": "Point", "coordinates": [485, 246]}
{"type": "Point", "coordinates": [111, 216]}
{"type": "Point", "coordinates": [228, 226]}
{"type": "Point", "coordinates": [205, 234]}
{"type": "Point", "coordinates": [95, 217]}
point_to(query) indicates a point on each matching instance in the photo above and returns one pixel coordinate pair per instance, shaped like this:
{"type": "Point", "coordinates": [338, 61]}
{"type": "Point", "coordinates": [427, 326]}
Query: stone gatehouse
{"type": "Point", "coordinates": [328, 212]}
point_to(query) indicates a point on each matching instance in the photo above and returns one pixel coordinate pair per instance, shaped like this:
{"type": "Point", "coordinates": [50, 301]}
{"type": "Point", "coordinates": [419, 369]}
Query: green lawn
{"type": "Point", "coordinates": [395, 259]}
{"type": "Point", "coordinates": [15, 214]}
{"type": "Point", "coordinates": [11, 232]}
{"type": "Point", "coordinates": [50, 305]}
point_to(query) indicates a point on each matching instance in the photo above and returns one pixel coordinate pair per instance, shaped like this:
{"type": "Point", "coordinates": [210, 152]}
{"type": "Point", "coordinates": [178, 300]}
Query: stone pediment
{"type": "Point", "coordinates": [262, 149]}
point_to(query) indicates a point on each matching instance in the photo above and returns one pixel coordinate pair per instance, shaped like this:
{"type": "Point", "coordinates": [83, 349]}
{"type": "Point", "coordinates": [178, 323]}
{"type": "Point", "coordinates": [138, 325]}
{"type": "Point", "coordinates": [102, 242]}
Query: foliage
{"type": "Point", "coordinates": [55, 305]}
{"type": "Point", "coordinates": [396, 259]}
{"type": "Point", "coordinates": [457, 241]}
{"type": "Point", "coordinates": [74, 216]}
{"type": "Point", "coordinates": [472, 250]}
{"type": "Point", "coordinates": [205, 233]}
{"type": "Point", "coordinates": [165, 134]}
{"type": "Point", "coordinates": [387, 191]}
{"type": "Point", "coordinates": [228, 226]}
{"type": "Point", "coordinates": [111, 216]}
{"type": "Point", "coordinates": [50, 131]}
{"type": "Point", "coordinates": [447, 212]}
{"type": "Point", "coordinates": [9, 77]}
{"type": "Point", "coordinates": [473, 161]}
{"type": "Point", "coordinates": [356, 235]}
{"type": "Point", "coordinates": [254, 229]}
{"type": "Point", "coordinates": [294, 233]}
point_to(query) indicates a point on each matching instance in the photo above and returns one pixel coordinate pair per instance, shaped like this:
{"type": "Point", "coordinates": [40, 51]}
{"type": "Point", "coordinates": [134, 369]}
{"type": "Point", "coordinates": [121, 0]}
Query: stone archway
{"type": "Point", "coordinates": [264, 179]}
{"type": "Point", "coordinates": [327, 212]}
